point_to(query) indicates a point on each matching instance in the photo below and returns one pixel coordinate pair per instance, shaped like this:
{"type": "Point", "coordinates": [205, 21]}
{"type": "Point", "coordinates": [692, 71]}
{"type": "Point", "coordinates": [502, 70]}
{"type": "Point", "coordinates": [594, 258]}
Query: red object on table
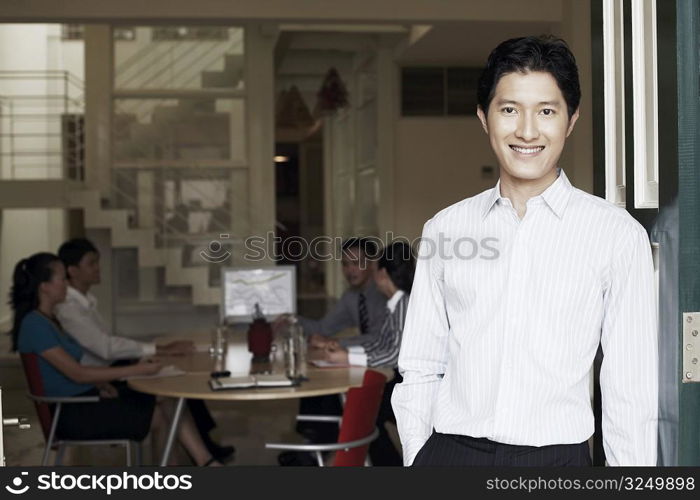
{"type": "Point", "coordinates": [260, 338]}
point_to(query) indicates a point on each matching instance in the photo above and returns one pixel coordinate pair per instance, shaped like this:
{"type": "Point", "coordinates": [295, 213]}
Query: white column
{"type": "Point", "coordinates": [98, 106]}
{"type": "Point", "coordinates": [387, 92]}
{"type": "Point", "coordinates": [260, 89]}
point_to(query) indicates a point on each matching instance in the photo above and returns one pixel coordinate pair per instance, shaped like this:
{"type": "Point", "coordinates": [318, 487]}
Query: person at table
{"type": "Point", "coordinates": [80, 318]}
{"type": "Point", "coordinates": [394, 278]}
{"type": "Point", "coordinates": [39, 284]}
{"type": "Point", "coordinates": [361, 305]}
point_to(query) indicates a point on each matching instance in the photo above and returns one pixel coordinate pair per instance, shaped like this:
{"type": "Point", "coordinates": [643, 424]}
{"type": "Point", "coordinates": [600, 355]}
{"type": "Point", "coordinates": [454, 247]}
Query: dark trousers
{"type": "Point", "coordinates": [456, 450]}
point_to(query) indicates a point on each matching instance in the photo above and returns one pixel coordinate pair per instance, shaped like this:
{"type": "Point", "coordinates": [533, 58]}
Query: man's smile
{"type": "Point", "coordinates": [527, 151]}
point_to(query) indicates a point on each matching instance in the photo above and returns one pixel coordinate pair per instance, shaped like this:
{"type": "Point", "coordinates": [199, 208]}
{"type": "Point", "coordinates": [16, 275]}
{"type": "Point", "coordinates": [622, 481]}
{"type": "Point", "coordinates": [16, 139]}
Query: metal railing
{"type": "Point", "coordinates": [43, 128]}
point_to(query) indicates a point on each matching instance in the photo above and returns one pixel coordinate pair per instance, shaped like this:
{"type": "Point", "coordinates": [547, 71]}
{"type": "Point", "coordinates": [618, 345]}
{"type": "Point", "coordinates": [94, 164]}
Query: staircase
{"type": "Point", "coordinates": [144, 240]}
{"type": "Point", "coordinates": [164, 131]}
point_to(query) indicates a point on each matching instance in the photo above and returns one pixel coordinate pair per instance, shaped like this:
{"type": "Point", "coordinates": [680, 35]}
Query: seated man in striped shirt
{"type": "Point", "coordinates": [394, 278]}
{"type": "Point", "coordinates": [515, 289]}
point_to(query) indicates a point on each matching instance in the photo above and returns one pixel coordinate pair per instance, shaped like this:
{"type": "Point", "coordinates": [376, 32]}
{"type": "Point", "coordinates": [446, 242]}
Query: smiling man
{"type": "Point", "coordinates": [497, 353]}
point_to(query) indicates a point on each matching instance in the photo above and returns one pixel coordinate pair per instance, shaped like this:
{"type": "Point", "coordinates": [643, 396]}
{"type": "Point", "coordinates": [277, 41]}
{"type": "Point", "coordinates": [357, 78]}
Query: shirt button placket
{"type": "Point", "coordinates": [513, 316]}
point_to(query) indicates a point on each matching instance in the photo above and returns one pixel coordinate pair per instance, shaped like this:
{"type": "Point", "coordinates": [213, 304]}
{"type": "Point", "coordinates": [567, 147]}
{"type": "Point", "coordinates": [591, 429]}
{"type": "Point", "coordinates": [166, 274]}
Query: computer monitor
{"type": "Point", "coordinates": [273, 288]}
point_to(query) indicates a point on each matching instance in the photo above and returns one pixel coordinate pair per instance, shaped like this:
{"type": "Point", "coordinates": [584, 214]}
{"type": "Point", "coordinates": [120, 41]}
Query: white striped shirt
{"type": "Point", "coordinates": [383, 349]}
{"type": "Point", "coordinates": [501, 345]}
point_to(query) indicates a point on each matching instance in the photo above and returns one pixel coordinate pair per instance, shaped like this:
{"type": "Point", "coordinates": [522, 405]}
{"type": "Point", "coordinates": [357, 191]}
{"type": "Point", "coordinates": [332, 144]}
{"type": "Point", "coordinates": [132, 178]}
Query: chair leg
{"type": "Point", "coordinates": [59, 454]}
{"type": "Point", "coordinates": [128, 453]}
{"type": "Point", "coordinates": [319, 458]}
{"type": "Point", "coordinates": [52, 435]}
{"type": "Point", "coordinates": [368, 461]}
{"type": "Point", "coordinates": [45, 456]}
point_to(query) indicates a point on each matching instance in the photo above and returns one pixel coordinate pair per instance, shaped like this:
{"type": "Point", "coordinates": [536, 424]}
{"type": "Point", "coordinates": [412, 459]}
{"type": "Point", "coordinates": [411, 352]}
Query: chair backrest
{"type": "Point", "coordinates": [30, 362]}
{"type": "Point", "coordinates": [360, 418]}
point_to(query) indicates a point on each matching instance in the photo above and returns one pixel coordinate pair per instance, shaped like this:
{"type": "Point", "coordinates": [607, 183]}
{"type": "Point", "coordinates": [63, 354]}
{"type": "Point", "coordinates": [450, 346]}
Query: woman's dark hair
{"type": "Point", "coordinates": [73, 251]}
{"type": "Point", "coordinates": [532, 53]}
{"type": "Point", "coordinates": [399, 263]}
{"type": "Point", "coordinates": [24, 295]}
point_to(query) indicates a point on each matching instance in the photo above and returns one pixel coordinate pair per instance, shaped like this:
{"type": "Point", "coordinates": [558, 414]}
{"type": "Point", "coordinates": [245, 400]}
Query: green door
{"type": "Point", "coordinates": [675, 225]}
{"type": "Point", "coordinates": [688, 181]}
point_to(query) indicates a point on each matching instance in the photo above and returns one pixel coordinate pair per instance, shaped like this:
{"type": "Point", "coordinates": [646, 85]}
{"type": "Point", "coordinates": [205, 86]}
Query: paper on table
{"type": "Point", "coordinates": [166, 371]}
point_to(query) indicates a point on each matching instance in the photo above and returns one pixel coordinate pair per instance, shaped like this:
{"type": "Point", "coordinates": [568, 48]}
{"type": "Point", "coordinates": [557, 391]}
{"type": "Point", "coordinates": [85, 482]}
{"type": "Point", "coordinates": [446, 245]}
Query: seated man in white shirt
{"type": "Point", "coordinates": [501, 335]}
{"type": "Point", "coordinates": [80, 318]}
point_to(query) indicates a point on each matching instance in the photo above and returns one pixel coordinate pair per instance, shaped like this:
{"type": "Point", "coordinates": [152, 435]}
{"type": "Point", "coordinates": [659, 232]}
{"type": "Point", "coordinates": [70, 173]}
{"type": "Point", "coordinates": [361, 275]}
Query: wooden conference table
{"type": "Point", "coordinates": [194, 384]}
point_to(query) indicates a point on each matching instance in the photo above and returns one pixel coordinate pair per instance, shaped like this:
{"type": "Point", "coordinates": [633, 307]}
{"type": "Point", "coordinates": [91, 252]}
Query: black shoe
{"type": "Point", "coordinates": [221, 453]}
{"type": "Point", "coordinates": [296, 459]}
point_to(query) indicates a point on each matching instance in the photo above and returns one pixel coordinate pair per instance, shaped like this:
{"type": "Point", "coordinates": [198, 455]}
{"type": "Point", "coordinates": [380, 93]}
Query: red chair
{"type": "Point", "coordinates": [49, 421]}
{"type": "Point", "coordinates": [357, 425]}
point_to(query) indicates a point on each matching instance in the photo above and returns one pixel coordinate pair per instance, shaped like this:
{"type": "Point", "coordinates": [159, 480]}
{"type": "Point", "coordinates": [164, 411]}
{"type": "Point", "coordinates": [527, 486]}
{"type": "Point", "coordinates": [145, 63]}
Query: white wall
{"type": "Point", "coordinates": [23, 232]}
{"type": "Point", "coordinates": [438, 162]}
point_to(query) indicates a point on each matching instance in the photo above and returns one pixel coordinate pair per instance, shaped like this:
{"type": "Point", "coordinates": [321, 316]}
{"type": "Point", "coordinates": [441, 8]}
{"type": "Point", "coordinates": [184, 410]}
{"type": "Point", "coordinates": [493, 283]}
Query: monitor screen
{"type": "Point", "coordinates": [272, 288]}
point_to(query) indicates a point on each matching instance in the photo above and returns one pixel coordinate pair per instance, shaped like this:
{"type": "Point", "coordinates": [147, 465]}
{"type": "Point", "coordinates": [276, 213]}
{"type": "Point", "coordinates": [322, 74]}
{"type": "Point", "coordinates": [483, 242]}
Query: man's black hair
{"type": "Point", "coordinates": [531, 53]}
{"type": "Point", "coordinates": [72, 251]}
{"type": "Point", "coordinates": [368, 246]}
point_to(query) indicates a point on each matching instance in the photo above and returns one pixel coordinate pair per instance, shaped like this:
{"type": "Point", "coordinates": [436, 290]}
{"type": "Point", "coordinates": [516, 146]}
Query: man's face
{"type": "Point", "coordinates": [87, 271]}
{"type": "Point", "coordinates": [356, 268]}
{"type": "Point", "coordinates": [527, 125]}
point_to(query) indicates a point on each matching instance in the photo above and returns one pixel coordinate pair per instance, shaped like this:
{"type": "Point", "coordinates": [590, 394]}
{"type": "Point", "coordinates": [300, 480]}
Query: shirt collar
{"type": "Point", "coordinates": [394, 300]}
{"type": "Point", "coordinates": [555, 196]}
{"type": "Point", "coordinates": [87, 300]}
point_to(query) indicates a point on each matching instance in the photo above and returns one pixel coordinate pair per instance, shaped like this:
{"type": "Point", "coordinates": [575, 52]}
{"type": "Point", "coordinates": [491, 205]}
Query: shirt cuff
{"type": "Point", "coordinates": [149, 348]}
{"type": "Point", "coordinates": [357, 356]}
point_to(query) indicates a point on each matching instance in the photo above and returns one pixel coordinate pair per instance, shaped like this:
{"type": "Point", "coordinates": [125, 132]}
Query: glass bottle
{"type": "Point", "coordinates": [298, 342]}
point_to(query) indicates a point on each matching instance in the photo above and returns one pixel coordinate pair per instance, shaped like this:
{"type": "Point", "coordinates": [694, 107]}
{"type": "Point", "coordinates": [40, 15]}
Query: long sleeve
{"type": "Point", "coordinates": [94, 336]}
{"type": "Point", "coordinates": [629, 373]}
{"type": "Point", "coordinates": [337, 319]}
{"type": "Point", "coordinates": [424, 349]}
{"type": "Point", "coordinates": [384, 350]}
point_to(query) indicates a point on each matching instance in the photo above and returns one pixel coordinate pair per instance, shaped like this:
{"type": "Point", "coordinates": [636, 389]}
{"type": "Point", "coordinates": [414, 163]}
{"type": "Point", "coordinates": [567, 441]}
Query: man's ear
{"type": "Point", "coordinates": [572, 122]}
{"type": "Point", "coordinates": [482, 118]}
{"type": "Point", "coordinates": [69, 276]}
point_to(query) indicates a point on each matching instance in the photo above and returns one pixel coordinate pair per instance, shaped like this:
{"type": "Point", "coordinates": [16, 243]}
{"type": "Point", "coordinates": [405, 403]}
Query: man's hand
{"type": "Point", "coordinates": [177, 348]}
{"type": "Point", "coordinates": [337, 355]}
{"type": "Point", "coordinates": [108, 391]}
{"type": "Point", "coordinates": [320, 342]}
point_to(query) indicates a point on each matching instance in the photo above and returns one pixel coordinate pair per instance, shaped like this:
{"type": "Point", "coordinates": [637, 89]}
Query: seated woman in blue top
{"type": "Point", "coordinates": [39, 283]}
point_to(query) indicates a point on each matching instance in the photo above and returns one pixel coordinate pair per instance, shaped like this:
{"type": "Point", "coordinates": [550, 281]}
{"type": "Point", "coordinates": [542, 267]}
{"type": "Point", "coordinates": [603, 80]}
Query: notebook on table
{"type": "Point", "coordinates": [250, 381]}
